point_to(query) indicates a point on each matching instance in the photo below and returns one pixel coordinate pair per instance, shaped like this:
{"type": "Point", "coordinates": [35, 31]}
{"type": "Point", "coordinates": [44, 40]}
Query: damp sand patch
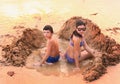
{"type": "Point", "coordinates": [61, 68]}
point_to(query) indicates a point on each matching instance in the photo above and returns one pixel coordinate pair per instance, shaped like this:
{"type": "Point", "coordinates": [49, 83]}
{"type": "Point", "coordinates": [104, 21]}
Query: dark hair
{"type": "Point", "coordinates": [48, 27]}
{"type": "Point", "coordinates": [76, 34]}
{"type": "Point", "coordinates": [79, 22]}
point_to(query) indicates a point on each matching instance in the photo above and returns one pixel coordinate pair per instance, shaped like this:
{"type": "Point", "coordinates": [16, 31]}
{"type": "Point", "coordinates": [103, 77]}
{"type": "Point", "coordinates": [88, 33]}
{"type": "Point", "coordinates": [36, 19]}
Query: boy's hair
{"type": "Point", "coordinates": [79, 22]}
{"type": "Point", "coordinates": [48, 27]}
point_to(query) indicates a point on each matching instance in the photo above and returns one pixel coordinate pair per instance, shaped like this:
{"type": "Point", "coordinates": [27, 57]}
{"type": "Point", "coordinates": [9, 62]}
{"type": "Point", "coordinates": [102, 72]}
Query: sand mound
{"type": "Point", "coordinates": [17, 52]}
{"type": "Point", "coordinates": [110, 50]}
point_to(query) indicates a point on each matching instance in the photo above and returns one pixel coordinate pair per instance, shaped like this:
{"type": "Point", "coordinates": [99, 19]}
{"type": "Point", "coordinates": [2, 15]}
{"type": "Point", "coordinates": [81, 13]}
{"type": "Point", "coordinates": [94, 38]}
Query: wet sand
{"type": "Point", "coordinates": [24, 75]}
{"type": "Point", "coordinates": [105, 18]}
{"type": "Point", "coordinates": [31, 76]}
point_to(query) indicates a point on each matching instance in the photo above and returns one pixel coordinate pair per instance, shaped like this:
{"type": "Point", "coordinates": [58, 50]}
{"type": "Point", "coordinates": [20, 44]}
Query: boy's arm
{"type": "Point", "coordinates": [47, 54]}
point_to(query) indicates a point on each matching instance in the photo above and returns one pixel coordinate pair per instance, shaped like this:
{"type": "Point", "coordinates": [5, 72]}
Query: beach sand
{"type": "Point", "coordinates": [24, 75]}
{"type": "Point", "coordinates": [106, 17]}
{"type": "Point", "coordinates": [30, 76]}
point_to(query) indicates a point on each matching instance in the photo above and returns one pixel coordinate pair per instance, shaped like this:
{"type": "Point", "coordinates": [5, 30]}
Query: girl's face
{"type": "Point", "coordinates": [81, 29]}
{"type": "Point", "coordinates": [47, 34]}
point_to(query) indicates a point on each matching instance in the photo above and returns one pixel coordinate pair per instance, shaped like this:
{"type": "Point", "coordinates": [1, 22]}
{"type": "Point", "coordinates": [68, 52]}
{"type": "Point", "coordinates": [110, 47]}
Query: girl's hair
{"type": "Point", "coordinates": [79, 22]}
{"type": "Point", "coordinates": [48, 27]}
{"type": "Point", "coordinates": [76, 34]}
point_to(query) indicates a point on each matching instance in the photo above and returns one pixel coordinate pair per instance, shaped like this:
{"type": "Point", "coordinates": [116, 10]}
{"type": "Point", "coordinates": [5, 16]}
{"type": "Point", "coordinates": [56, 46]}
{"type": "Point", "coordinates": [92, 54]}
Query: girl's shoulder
{"type": "Point", "coordinates": [53, 41]}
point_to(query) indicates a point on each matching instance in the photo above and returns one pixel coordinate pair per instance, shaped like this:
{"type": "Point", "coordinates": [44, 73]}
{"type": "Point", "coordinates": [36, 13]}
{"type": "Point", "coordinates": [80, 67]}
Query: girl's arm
{"type": "Point", "coordinates": [76, 50]}
{"type": "Point", "coordinates": [87, 48]}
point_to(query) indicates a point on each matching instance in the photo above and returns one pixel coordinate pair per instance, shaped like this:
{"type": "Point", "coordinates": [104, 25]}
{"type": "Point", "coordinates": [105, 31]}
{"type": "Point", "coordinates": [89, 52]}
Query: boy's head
{"type": "Point", "coordinates": [48, 27]}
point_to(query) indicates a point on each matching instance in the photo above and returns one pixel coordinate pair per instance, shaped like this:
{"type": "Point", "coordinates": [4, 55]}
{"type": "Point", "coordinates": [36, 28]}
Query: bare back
{"type": "Point", "coordinates": [71, 49]}
{"type": "Point", "coordinates": [54, 47]}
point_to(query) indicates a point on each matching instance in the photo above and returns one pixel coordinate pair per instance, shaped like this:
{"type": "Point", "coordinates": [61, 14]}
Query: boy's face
{"type": "Point", "coordinates": [47, 33]}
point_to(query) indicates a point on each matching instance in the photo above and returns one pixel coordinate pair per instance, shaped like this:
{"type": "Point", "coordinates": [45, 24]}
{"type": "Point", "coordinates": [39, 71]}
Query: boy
{"type": "Point", "coordinates": [52, 48]}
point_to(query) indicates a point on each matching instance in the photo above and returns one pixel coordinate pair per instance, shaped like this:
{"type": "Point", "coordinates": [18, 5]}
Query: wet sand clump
{"type": "Point", "coordinates": [17, 52]}
{"type": "Point", "coordinates": [107, 46]}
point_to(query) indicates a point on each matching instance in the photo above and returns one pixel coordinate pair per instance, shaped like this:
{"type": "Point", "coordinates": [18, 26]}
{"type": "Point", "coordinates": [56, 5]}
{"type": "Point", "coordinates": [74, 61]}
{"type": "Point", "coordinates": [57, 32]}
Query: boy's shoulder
{"type": "Point", "coordinates": [51, 41]}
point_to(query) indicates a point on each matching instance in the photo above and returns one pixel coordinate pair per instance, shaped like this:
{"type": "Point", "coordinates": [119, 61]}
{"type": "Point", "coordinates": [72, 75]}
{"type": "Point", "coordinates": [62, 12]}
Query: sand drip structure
{"type": "Point", "coordinates": [17, 52]}
{"type": "Point", "coordinates": [109, 49]}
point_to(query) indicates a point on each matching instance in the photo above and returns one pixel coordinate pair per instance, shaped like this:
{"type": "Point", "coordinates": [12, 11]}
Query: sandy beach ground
{"type": "Point", "coordinates": [105, 13]}
{"type": "Point", "coordinates": [29, 76]}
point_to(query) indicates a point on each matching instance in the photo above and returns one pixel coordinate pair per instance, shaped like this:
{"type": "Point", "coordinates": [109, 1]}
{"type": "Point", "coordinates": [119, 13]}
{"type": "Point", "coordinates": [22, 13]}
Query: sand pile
{"type": "Point", "coordinates": [110, 50]}
{"type": "Point", "coordinates": [17, 52]}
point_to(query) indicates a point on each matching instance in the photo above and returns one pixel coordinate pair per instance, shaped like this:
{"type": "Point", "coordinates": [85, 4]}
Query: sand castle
{"type": "Point", "coordinates": [17, 52]}
{"type": "Point", "coordinates": [108, 48]}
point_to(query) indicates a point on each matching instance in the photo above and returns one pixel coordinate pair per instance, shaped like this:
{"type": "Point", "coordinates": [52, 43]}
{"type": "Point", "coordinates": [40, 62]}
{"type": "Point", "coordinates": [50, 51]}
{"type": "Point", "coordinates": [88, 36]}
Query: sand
{"type": "Point", "coordinates": [107, 17]}
{"type": "Point", "coordinates": [30, 76]}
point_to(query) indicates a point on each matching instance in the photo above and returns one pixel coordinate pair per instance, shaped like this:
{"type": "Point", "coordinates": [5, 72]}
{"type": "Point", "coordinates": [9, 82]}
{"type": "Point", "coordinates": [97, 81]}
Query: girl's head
{"type": "Point", "coordinates": [80, 27]}
{"type": "Point", "coordinates": [48, 31]}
